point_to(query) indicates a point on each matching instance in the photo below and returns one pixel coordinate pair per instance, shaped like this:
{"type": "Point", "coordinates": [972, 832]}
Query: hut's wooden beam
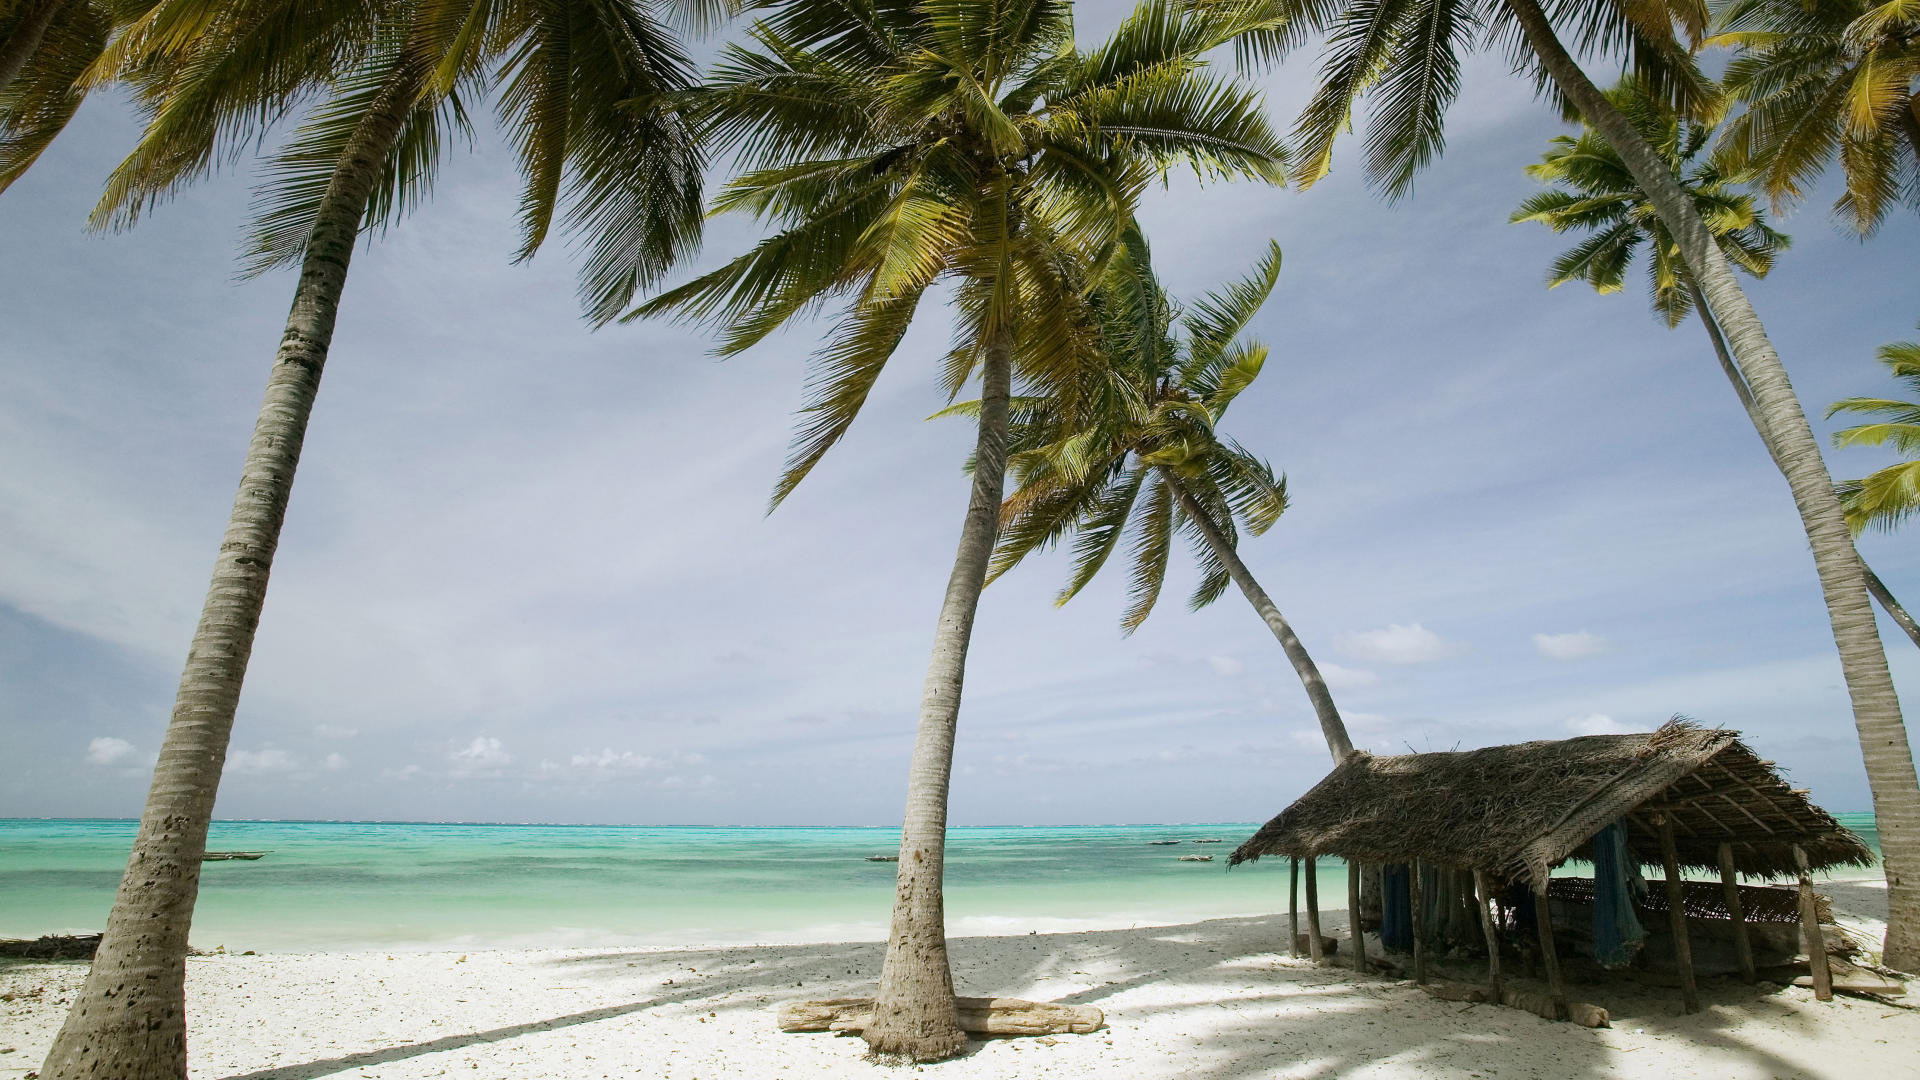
{"type": "Point", "coordinates": [1293, 907]}
{"type": "Point", "coordinates": [1359, 936]}
{"type": "Point", "coordinates": [1730, 885]}
{"type": "Point", "coordinates": [1483, 892]}
{"type": "Point", "coordinates": [1314, 948]}
{"type": "Point", "coordinates": [1419, 923]}
{"type": "Point", "coordinates": [1810, 929]}
{"type": "Point", "coordinates": [1543, 917]}
{"type": "Point", "coordinates": [1677, 916]}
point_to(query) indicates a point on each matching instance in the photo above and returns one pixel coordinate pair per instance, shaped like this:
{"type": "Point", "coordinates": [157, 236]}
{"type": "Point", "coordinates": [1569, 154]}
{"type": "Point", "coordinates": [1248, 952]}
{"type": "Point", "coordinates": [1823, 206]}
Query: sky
{"type": "Point", "coordinates": [528, 573]}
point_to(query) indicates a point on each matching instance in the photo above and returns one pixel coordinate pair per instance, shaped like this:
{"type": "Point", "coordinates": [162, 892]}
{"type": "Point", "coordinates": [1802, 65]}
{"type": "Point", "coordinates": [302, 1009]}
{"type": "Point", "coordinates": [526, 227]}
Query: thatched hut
{"type": "Point", "coordinates": [1683, 796]}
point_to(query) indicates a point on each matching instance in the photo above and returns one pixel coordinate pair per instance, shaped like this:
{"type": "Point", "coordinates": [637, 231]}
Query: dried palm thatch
{"type": "Point", "coordinates": [1515, 811]}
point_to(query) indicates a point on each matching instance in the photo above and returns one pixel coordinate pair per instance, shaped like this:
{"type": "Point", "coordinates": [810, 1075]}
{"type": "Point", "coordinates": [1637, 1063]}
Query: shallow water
{"type": "Point", "coordinates": [356, 885]}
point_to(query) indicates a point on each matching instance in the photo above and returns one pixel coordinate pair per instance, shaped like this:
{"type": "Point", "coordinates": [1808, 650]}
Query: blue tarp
{"type": "Point", "coordinates": [1617, 933]}
{"type": "Point", "coordinates": [1396, 907]}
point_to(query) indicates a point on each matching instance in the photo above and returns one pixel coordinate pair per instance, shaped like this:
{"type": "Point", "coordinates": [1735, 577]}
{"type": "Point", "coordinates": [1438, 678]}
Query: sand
{"type": "Point", "coordinates": [1203, 1001]}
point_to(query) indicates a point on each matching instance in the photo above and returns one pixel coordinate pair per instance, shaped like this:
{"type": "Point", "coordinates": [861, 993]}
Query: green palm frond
{"type": "Point", "coordinates": [1096, 461]}
{"type": "Point", "coordinates": [1820, 81]}
{"type": "Point", "coordinates": [1885, 499]}
{"type": "Point", "coordinates": [1593, 193]}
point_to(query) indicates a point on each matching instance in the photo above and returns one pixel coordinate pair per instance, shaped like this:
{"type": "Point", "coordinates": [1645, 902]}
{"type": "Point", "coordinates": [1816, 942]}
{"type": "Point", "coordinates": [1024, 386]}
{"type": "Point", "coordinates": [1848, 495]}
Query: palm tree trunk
{"type": "Point", "coordinates": [913, 1013]}
{"type": "Point", "coordinates": [1875, 587]}
{"type": "Point", "coordinates": [1331, 725]}
{"type": "Point", "coordinates": [1863, 661]}
{"type": "Point", "coordinates": [129, 1019]}
{"type": "Point", "coordinates": [27, 33]}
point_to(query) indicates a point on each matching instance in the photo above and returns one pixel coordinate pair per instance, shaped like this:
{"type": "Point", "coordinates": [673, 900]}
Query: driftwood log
{"type": "Point", "coordinates": [51, 947]}
{"type": "Point", "coordinates": [982, 1016]}
{"type": "Point", "coordinates": [1542, 1005]}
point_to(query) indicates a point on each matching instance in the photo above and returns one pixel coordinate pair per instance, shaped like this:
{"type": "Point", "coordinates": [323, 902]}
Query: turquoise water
{"type": "Point", "coordinates": [352, 885]}
{"type": "Point", "coordinates": [336, 885]}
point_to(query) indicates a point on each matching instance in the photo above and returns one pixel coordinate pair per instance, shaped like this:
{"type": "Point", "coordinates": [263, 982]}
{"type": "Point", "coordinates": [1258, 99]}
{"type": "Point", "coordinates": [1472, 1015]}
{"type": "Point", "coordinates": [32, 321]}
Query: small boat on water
{"type": "Point", "coordinates": [229, 856]}
{"type": "Point", "coordinates": [1161, 843]}
{"type": "Point", "coordinates": [1196, 858]}
{"type": "Point", "coordinates": [883, 858]}
{"type": "Point", "coordinates": [1215, 840]}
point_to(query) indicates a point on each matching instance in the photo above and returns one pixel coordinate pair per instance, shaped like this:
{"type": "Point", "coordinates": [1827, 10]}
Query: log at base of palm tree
{"type": "Point", "coordinates": [914, 1017]}
{"type": "Point", "coordinates": [1882, 731]}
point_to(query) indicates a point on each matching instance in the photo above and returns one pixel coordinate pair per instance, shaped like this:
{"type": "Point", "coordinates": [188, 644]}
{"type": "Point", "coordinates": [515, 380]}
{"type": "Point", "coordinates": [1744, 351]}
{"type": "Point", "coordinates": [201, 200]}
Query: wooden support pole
{"type": "Point", "coordinates": [1677, 915]}
{"type": "Point", "coordinates": [1419, 923]}
{"type": "Point", "coordinates": [1483, 890]}
{"type": "Point", "coordinates": [1314, 948]}
{"type": "Point", "coordinates": [1810, 929]}
{"type": "Point", "coordinates": [1359, 936]}
{"type": "Point", "coordinates": [1293, 907]}
{"type": "Point", "coordinates": [1730, 883]}
{"type": "Point", "coordinates": [1543, 917]}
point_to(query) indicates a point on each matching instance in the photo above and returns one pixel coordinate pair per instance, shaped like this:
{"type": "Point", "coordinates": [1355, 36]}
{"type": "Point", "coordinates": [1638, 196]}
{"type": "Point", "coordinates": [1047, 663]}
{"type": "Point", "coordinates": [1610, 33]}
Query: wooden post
{"type": "Point", "coordinates": [1543, 917]}
{"type": "Point", "coordinates": [1730, 883]}
{"type": "Point", "coordinates": [1419, 923]}
{"type": "Point", "coordinates": [1354, 870]}
{"type": "Point", "coordinates": [1314, 948]}
{"type": "Point", "coordinates": [1293, 907]}
{"type": "Point", "coordinates": [1677, 916]}
{"type": "Point", "coordinates": [1810, 928]}
{"type": "Point", "coordinates": [1484, 891]}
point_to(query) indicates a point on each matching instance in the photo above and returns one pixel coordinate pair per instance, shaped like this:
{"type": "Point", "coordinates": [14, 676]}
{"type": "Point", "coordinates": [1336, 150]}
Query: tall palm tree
{"type": "Point", "coordinates": [46, 47]}
{"type": "Point", "coordinates": [575, 81]}
{"type": "Point", "coordinates": [899, 145]}
{"type": "Point", "coordinates": [1405, 54]}
{"type": "Point", "coordinates": [1885, 499]}
{"type": "Point", "coordinates": [1598, 196]}
{"type": "Point", "coordinates": [1149, 461]}
{"type": "Point", "coordinates": [1820, 77]}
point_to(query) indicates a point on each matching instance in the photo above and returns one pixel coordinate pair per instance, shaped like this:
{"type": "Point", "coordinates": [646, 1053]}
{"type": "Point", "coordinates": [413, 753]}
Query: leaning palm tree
{"type": "Point", "coordinates": [46, 48]}
{"type": "Point", "coordinates": [898, 146]}
{"type": "Point", "coordinates": [1148, 460]}
{"type": "Point", "coordinates": [1885, 499]}
{"type": "Point", "coordinates": [576, 82]}
{"type": "Point", "coordinates": [1597, 195]}
{"type": "Point", "coordinates": [1405, 55]}
{"type": "Point", "coordinates": [1820, 79]}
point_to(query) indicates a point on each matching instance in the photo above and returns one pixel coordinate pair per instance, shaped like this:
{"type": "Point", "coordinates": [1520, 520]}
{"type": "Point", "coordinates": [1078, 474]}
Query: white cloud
{"type": "Point", "coordinates": [259, 761]}
{"type": "Point", "coordinates": [1577, 645]}
{"type": "Point", "coordinates": [1225, 665]}
{"type": "Point", "coordinates": [611, 760]}
{"type": "Point", "coordinates": [108, 750]}
{"type": "Point", "coordinates": [1346, 678]}
{"type": "Point", "coordinates": [1397, 644]}
{"type": "Point", "coordinates": [335, 731]}
{"type": "Point", "coordinates": [484, 752]}
{"type": "Point", "coordinates": [335, 761]}
{"type": "Point", "coordinates": [1596, 724]}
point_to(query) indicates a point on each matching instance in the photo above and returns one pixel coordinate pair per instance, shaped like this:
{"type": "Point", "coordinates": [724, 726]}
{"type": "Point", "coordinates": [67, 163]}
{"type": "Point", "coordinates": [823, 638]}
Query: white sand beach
{"type": "Point", "coordinates": [1214, 1000]}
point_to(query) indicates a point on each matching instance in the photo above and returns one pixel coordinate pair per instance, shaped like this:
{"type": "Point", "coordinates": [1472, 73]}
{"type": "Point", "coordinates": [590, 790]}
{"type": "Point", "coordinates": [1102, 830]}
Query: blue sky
{"type": "Point", "coordinates": [527, 575]}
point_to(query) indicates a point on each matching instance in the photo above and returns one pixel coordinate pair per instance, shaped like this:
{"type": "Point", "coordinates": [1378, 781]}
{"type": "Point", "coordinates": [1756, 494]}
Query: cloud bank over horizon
{"type": "Point", "coordinates": [527, 573]}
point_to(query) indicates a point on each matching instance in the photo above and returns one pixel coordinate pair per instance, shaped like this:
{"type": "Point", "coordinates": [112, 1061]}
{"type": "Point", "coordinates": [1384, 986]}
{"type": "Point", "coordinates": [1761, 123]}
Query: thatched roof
{"type": "Point", "coordinates": [1515, 811]}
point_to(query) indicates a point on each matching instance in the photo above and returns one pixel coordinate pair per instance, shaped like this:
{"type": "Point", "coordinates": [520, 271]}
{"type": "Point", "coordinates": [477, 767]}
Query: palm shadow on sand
{"type": "Point", "coordinates": [1238, 1000]}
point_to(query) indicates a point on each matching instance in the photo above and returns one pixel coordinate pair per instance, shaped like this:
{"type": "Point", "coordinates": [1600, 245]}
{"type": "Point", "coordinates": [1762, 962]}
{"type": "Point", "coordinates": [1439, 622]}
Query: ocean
{"type": "Point", "coordinates": [385, 886]}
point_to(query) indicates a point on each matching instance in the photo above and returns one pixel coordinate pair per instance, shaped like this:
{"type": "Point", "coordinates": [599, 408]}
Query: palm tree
{"type": "Point", "coordinates": [1597, 195]}
{"type": "Point", "coordinates": [575, 80]}
{"type": "Point", "coordinates": [1149, 461]}
{"type": "Point", "coordinates": [1886, 498]}
{"type": "Point", "coordinates": [46, 47]}
{"type": "Point", "coordinates": [900, 145]}
{"type": "Point", "coordinates": [1406, 54]}
{"type": "Point", "coordinates": [1820, 76]}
